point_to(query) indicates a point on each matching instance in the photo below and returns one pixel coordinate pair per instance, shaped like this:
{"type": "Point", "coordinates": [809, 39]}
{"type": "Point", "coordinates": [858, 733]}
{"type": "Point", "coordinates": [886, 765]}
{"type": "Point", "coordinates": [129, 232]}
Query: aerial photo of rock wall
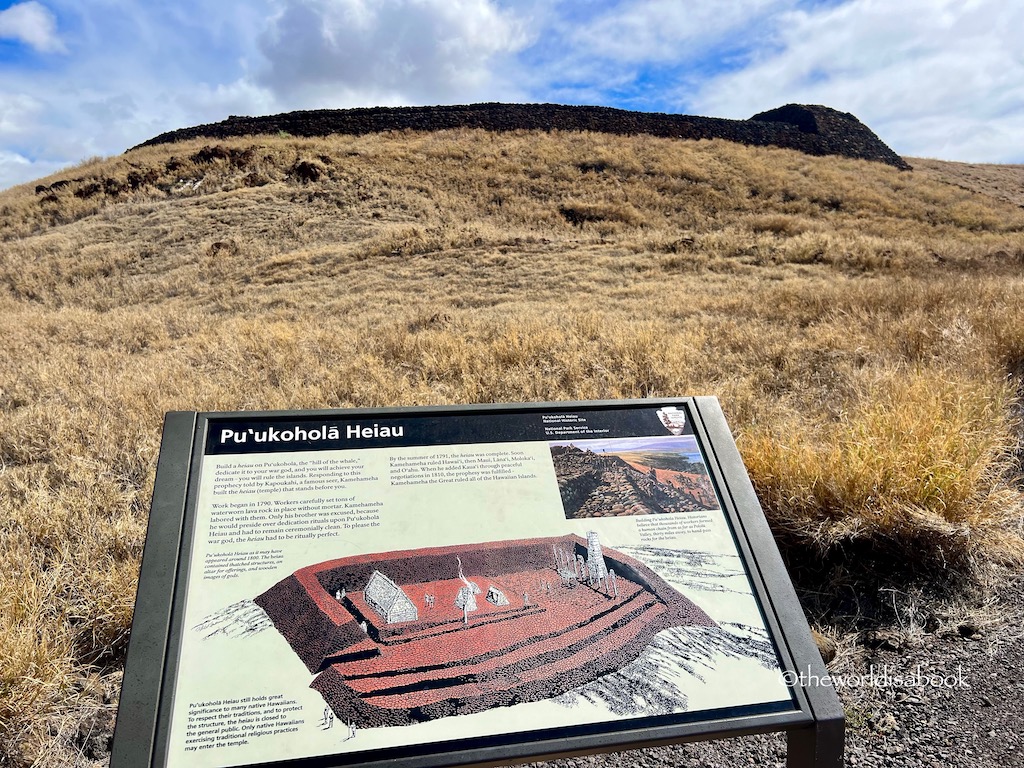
{"type": "Point", "coordinates": [611, 485]}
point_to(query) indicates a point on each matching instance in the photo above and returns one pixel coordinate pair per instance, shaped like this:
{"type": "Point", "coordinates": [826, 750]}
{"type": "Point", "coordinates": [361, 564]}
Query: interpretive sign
{"type": "Point", "coordinates": [451, 586]}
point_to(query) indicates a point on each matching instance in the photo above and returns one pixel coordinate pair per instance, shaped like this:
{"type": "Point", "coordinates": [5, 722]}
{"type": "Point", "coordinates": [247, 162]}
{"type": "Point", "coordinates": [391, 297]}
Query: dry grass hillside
{"type": "Point", "coordinates": [862, 326]}
{"type": "Point", "coordinates": [1004, 182]}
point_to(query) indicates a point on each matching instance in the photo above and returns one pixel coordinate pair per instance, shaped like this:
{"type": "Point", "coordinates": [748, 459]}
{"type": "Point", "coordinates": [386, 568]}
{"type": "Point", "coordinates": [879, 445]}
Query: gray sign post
{"type": "Point", "coordinates": [465, 585]}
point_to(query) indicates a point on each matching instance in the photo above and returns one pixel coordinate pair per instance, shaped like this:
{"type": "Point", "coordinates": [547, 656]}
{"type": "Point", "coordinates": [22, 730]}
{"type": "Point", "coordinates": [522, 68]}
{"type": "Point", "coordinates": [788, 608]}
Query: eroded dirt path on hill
{"type": "Point", "coordinates": [1004, 182]}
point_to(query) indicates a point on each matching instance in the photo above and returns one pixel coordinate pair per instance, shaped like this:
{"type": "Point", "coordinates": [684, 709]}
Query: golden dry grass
{"type": "Point", "coordinates": [862, 326]}
{"type": "Point", "coordinates": [1005, 182]}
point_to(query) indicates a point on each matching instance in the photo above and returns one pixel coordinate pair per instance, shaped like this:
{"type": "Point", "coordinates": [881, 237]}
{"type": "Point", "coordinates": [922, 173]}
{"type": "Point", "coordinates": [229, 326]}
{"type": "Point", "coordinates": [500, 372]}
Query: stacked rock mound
{"type": "Point", "coordinates": [813, 129]}
{"type": "Point", "coordinates": [593, 485]}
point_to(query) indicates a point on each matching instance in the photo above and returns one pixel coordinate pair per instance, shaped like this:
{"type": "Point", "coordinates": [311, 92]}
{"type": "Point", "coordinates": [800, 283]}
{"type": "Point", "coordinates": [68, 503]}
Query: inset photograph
{"type": "Point", "coordinates": [632, 476]}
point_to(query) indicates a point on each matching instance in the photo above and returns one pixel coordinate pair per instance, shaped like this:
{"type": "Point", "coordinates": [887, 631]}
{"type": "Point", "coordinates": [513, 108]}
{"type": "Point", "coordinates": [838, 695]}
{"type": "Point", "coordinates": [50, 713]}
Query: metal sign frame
{"type": "Point", "coordinates": [814, 726]}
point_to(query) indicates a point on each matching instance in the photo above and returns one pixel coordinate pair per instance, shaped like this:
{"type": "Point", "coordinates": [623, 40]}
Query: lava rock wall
{"type": "Point", "coordinates": [813, 129]}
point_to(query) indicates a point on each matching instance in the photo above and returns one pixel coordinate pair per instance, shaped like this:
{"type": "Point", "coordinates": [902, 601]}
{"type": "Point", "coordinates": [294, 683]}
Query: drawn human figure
{"type": "Point", "coordinates": [327, 721]}
{"type": "Point", "coordinates": [526, 600]}
{"type": "Point", "coordinates": [338, 595]}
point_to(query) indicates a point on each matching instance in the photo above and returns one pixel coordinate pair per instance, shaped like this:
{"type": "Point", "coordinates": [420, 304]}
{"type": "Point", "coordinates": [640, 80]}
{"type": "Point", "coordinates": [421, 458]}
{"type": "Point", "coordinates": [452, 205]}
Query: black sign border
{"type": "Point", "coordinates": [815, 728]}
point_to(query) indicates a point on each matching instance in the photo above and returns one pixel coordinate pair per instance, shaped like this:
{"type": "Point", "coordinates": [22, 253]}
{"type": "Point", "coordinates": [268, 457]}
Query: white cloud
{"type": "Point", "coordinates": [334, 53]}
{"type": "Point", "coordinates": [16, 169]}
{"type": "Point", "coordinates": [32, 24]}
{"type": "Point", "coordinates": [140, 68]}
{"type": "Point", "coordinates": [206, 103]}
{"type": "Point", "coordinates": [17, 112]}
{"type": "Point", "coordinates": [932, 77]}
{"type": "Point", "coordinates": [641, 54]}
{"type": "Point", "coordinates": [668, 30]}
{"type": "Point", "coordinates": [137, 69]}
{"type": "Point", "coordinates": [13, 159]}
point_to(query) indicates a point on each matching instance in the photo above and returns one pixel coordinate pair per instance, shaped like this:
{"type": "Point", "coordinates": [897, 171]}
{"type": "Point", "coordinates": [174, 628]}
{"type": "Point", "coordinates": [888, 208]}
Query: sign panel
{"type": "Point", "coordinates": [355, 585]}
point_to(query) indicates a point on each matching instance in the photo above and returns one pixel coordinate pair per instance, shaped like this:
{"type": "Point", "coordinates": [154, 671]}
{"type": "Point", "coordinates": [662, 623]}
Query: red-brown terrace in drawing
{"type": "Point", "coordinates": [403, 637]}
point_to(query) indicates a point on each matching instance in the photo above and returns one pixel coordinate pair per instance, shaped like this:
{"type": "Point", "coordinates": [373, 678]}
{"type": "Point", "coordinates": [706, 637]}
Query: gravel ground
{"type": "Point", "coordinates": [964, 705]}
{"type": "Point", "coordinates": [974, 721]}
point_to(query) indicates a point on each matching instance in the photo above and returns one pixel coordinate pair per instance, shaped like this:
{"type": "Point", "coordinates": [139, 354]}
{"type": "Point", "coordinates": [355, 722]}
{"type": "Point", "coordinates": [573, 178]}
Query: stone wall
{"type": "Point", "coordinates": [813, 129]}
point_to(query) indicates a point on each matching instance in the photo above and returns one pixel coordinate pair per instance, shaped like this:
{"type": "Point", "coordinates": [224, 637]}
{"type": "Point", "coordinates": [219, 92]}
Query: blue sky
{"type": "Point", "coordinates": [684, 444]}
{"type": "Point", "coordinates": [80, 78]}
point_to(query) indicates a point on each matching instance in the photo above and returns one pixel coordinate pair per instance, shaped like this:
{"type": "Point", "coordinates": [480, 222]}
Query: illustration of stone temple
{"type": "Point", "coordinates": [388, 600]}
{"type": "Point", "coordinates": [499, 623]}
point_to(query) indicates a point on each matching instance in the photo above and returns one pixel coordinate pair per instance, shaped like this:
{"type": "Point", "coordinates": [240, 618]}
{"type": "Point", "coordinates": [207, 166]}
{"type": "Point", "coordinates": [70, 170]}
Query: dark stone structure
{"type": "Point", "coordinates": [813, 129]}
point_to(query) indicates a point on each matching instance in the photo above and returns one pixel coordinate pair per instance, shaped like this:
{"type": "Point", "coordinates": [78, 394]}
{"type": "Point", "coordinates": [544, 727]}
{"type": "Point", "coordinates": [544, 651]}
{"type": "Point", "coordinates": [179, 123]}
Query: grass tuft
{"type": "Point", "coordinates": [920, 467]}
